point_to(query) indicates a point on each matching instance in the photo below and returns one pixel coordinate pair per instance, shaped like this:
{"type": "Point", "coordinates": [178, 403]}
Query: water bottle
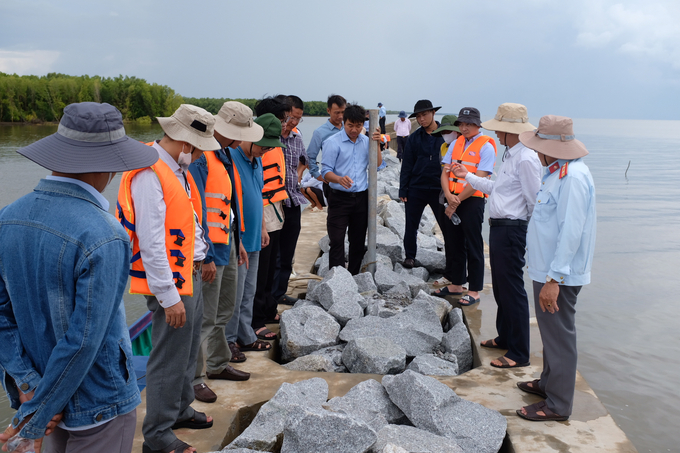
{"type": "Point", "coordinates": [454, 217]}
{"type": "Point", "coordinates": [19, 444]}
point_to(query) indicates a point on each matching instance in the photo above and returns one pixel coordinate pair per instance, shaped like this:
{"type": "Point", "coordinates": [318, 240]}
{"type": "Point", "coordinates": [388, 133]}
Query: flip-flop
{"type": "Point", "coordinates": [541, 406]}
{"type": "Point", "coordinates": [177, 446]}
{"type": "Point", "coordinates": [198, 421]}
{"type": "Point", "coordinates": [506, 364]}
{"type": "Point", "coordinates": [491, 344]}
{"type": "Point", "coordinates": [258, 345]}
{"type": "Point", "coordinates": [236, 355]}
{"type": "Point", "coordinates": [264, 332]}
{"type": "Point", "coordinates": [534, 388]}
{"type": "Point", "coordinates": [442, 281]}
{"type": "Point", "coordinates": [445, 291]}
{"type": "Point", "coordinates": [468, 300]}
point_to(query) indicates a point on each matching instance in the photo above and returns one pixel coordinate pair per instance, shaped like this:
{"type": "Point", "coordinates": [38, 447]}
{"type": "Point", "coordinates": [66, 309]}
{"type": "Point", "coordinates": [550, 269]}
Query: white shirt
{"type": "Point", "coordinates": [513, 193]}
{"type": "Point", "coordinates": [147, 194]}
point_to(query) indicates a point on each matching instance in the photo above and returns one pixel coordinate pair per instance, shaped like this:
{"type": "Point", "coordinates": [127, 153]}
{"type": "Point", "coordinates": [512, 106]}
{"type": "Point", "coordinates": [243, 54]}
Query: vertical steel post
{"type": "Point", "coordinates": [373, 148]}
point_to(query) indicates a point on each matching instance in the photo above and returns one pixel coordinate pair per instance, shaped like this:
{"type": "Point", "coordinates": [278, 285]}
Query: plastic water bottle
{"type": "Point", "coordinates": [19, 444]}
{"type": "Point", "coordinates": [454, 217]}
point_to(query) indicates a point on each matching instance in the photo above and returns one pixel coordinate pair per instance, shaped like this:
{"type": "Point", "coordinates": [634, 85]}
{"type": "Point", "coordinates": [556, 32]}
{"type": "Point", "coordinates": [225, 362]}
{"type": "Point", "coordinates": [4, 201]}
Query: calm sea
{"type": "Point", "coordinates": [627, 319]}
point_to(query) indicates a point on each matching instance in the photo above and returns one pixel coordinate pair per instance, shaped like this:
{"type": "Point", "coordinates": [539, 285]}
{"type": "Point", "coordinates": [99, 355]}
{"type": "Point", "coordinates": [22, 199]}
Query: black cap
{"type": "Point", "coordinates": [469, 115]}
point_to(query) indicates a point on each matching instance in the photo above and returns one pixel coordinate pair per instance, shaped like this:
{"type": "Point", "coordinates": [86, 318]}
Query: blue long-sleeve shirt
{"type": "Point", "coordinates": [318, 137]}
{"type": "Point", "coordinates": [561, 234]}
{"type": "Point", "coordinates": [346, 158]}
{"type": "Point", "coordinates": [219, 253]}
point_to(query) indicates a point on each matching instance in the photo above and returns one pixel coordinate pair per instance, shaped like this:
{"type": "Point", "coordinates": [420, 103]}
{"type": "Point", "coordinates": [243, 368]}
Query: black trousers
{"type": "Point", "coordinates": [401, 144]}
{"type": "Point", "coordinates": [287, 242]}
{"type": "Point", "coordinates": [381, 122]}
{"type": "Point", "coordinates": [264, 304]}
{"type": "Point", "coordinates": [507, 245]}
{"type": "Point", "coordinates": [347, 212]}
{"type": "Point", "coordinates": [417, 199]}
{"type": "Point", "coordinates": [467, 245]}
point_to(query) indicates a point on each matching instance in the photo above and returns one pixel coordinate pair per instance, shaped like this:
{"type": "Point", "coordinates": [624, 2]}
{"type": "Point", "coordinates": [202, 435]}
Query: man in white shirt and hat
{"type": "Point", "coordinates": [512, 197]}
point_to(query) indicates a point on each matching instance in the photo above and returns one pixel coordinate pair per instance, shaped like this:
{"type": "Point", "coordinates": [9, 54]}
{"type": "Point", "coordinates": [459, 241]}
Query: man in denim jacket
{"type": "Point", "coordinates": [64, 263]}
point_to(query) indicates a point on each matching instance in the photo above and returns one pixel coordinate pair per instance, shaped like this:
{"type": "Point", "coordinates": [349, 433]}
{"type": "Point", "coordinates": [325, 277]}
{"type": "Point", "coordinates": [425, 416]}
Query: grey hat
{"type": "Point", "coordinates": [402, 114]}
{"type": "Point", "coordinates": [90, 139]}
{"type": "Point", "coordinates": [469, 115]}
{"type": "Point", "coordinates": [379, 104]}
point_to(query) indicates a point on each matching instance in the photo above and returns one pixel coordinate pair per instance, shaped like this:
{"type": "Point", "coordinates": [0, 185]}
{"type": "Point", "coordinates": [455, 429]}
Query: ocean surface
{"type": "Point", "coordinates": [627, 318]}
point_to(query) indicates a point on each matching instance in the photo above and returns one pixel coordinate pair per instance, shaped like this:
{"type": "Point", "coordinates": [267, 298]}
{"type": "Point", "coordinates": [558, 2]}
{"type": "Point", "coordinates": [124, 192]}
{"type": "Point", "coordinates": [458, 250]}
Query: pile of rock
{"type": "Point", "coordinates": [406, 413]}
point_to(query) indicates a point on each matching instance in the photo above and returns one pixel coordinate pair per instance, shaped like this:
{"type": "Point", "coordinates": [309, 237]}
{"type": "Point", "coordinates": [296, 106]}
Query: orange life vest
{"type": "Point", "coordinates": [218, 196]}
{"type": "Point", "coordinates": [470, 158]}
{"type": "Point", "coordinates": [239, 196]}
{"type": "Point", "coordinates": [180, 227]}
{"type": "Point", "coordinates": [385, 138]}
{"type": "Point", "coordinates": [274, 175]}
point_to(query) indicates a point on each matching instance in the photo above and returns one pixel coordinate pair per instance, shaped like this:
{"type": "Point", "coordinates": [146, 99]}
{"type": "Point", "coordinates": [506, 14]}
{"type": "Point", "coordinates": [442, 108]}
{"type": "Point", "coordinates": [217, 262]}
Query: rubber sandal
{"type": "Point", "coordinates": [506, 364]}
{"type": "Point", "coordinates": [266, 334]}
{"type": "Point", "coordinates": [445, 291]}
{"type": "Point", "coordinates": [258, 345]}
{"type": "Point", "coordinates": [491, 344]}
{"type": "Point", "coordinates": [176, 446]}
{"type": "Point", "coordinates": [468, 300]}
{"type": "Point", "coordinates": [533, 389]}
{"type": "Point", "coordinates": [198, 421]}
{"type": "Point", "coordinates": [532, 413]}
{"type": "Point", "coordinates": [442, 281]}
{"type": "Point", "coordinates": [236, 355]}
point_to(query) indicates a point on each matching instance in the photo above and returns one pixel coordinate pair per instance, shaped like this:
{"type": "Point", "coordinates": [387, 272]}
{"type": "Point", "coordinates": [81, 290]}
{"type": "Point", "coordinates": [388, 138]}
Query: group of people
{"type": "Point", "coordinates": [207, 220]}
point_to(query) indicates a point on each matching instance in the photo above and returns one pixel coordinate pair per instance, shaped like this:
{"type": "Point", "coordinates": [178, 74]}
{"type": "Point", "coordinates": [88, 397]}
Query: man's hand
{"type": "Point", "coordinates": [459, 170]}
{"type": "Point", "coordinates": [403, 199]}
{"type": "Point", "coordinates": [548, 297]}
{"type": "Point", "coordinates": [346, 182]}
{"type": "Point", "coordinates": [376, 135]}
{"type": "Point", "coordinates": [242, 256]}
{"type": "Point", "coordinates": [265, 238]}
{"type": "Point", "coordinates": [320, 178]}
{"type": "Point", "coordinates": [452, 199]}
{"type": "Point", "coordinates": [11, 432]}
{"type": "Point", "coordinates": [449, 210]}
{"type": "Point", "coordinates": [209, 272]}
{"type": "Point", "coordinates": [176, 316]}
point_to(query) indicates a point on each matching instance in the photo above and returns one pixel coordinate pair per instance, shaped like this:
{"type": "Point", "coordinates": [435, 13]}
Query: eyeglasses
{"type": "Point", "coordinates": [292, 118]}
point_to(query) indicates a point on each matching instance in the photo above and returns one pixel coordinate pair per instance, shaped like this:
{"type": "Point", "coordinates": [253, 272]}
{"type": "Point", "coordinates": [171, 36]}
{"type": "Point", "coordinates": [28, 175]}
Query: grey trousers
{"type": "Point", "coordinates": [171, 368]}
{"type": "Point", "coordinates": [558, 332]}
{"type": "Point", "coordinates": [115, 436]}
{"type": "Point", "coordinates": [239, 327]}
{"type": "Point", "coordinates": [219, 299]}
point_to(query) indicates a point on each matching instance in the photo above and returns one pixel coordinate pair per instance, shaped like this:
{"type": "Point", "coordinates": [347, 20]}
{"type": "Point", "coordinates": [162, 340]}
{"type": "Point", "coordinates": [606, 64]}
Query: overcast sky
{"type": "Point", "coordinates": [579, 58]}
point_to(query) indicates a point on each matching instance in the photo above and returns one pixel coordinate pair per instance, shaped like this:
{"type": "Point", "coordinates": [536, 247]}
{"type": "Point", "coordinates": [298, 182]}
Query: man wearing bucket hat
{"type": "Point", "coordinates": [402, 127]}
{"type": "Point", "coordinates": [560, 244]}
{"type": "Point", "coordinates": [214, 176]}
{"type": "Point", "coordinates": [66, 262]}
{"type": "Point", "coordinates": [248, 166]}
{"type": "Point", "coordinates": [161, 208]}
{"type": "Point", "coordinates": [419, 181]}
{"type": "Point", "coordinates": [478, 153]}
{"type": "Point", "coordinates": [512, 197]}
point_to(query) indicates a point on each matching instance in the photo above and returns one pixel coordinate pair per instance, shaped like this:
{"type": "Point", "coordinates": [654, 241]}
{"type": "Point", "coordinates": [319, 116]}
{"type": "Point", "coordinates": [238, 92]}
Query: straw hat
{"type": "Point", "coordinates": [235, 121]}
{"type": "Point", "coordinates": [510, 118]}
{"type": "Point", "coordinates": [90, 139]}
{"type": "Point", "coordinates": [554, 138]}
{"type": "Point", "coordinates": [193, 125]}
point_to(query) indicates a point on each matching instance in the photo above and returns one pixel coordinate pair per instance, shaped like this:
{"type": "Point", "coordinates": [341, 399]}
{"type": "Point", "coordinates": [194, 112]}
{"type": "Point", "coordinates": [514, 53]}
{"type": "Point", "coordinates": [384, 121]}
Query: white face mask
{"type": "Point", "coordinates": [448, 138]}
{"type": "Point", "coordinates": [184, 159]}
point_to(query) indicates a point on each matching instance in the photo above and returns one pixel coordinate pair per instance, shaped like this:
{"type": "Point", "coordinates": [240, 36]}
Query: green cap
{"type": "Point", "coordinates": [272, 131]}
{"type": "Point", "coordinates": [447, 124]}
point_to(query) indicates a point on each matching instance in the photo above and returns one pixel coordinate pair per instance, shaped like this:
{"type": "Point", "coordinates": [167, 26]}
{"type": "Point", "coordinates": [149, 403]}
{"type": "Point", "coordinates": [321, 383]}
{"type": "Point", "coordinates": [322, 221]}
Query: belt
{"type": "Point", "coordinates": [508, 222]}
{"type": "Point", "coordinates": [347, 194]}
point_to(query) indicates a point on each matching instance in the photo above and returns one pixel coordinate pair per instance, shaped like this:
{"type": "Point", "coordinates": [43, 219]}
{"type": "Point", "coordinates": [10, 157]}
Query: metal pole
{"type": "Point", "coordinates": [372, 189]}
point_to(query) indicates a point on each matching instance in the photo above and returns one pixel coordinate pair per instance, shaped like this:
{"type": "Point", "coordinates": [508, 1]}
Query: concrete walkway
{"type": "Point", "coordinates": [590, 428]}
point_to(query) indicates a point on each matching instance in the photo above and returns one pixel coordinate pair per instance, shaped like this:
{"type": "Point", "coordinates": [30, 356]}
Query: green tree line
{"type": "Point", "coordinates": [41, 99]}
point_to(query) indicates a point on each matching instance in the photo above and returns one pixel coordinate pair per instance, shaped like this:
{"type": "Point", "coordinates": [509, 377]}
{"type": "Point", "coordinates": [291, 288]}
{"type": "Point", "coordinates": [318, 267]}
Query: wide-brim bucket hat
{"type": "Point", "coordinates": [272, 131]}
{"type": "Point", "coordinates": [90, 139]}
{"type": "Point", "coordinates": [423, 105]}
{"type": "Point", "coordinates": [446, 125]}
{"type": "Point", "coordinates": [554, 137]}
{"type": "Point", "coordinates": [193, 125]}
{"type": "Point", "coordinates": [235, 121]}
{"type": "Point", "coordinates": [511, 118]}
{"type": "Point", "coordinates": [402, 114]}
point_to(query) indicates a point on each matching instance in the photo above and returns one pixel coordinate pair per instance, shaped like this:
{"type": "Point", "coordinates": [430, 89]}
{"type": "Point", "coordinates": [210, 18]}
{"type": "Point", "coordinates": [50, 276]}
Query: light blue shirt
{"type": "Point", "coordinates": [94, 192]}
{"type": "Point", "coordinates": [345, 158]}
{"type": "Point", "coordinates": [561, 234]}
{"type": "Point", "coordinates": [487, 157]}
{"type": "Point", "coordinates": [382, 112]}
{"type": "Point", "coordinates": [320, 135]}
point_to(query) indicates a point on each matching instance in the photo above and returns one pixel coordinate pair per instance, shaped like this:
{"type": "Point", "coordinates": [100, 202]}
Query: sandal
{"type": "Point", "coordinates": [506, 364]}
{"type": "Point", "coordinates": [548, 415]}
{"type": "Point", "coordinates": [258, 345]}
{"type": "Point", "coordinates": [445, 291]}
{"type": "Point", "coordinates": [236, 355]}
{"type": "Point", "coordinates": [198, 421]}
{"type": "Point", "coordinates": [265, 334]}
{"type": "Point", "coordinates": [442, 281]}
{"type": "Point", "coordinates": [491, 344]}
{"type": "Point", "coordinates": [468, 300]}
{"type": "Point", "coordinates": [177, 446]}
{"type": "Point", "coordinates": [532, 387]}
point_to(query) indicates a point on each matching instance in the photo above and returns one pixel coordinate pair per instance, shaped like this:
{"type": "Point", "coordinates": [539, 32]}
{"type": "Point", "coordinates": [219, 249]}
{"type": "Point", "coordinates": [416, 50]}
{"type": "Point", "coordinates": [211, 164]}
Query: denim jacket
{"type": "Point", "coordinates": [63, 268]}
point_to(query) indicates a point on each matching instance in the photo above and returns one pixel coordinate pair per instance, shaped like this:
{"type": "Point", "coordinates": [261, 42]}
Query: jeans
{"type": "Point", "coordinates": [239, 327]}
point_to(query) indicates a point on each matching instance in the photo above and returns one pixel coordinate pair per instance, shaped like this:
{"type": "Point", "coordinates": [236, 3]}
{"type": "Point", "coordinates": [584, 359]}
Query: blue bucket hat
{"type": "Point", "coordinates": [402, 114]}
